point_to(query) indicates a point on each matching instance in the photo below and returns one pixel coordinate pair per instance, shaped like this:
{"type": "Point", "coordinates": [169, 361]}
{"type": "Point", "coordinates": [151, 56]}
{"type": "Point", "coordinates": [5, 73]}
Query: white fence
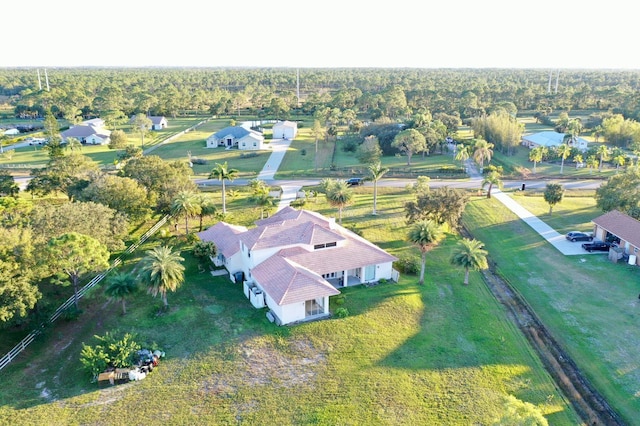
{"type": "Point", "coordinates": [7, 358]}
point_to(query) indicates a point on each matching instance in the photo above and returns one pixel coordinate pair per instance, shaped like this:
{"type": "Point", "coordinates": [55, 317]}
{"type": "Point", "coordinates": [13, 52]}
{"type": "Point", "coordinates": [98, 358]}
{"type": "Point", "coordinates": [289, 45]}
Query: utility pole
{"type": "Point", "coordinates": [557, 77]}
{"type": "Point", "coordinates": [39, 80]}
{"type": "Point", "coordinates": [298, 86]}
{"type": "Point", "coordinates": [46, 78]}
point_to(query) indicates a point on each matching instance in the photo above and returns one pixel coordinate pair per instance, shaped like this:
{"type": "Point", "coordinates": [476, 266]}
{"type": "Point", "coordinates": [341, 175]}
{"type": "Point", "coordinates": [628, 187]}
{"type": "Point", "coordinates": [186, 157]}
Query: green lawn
{"type": "Point", "coordinates": [589, 303]}
{"type": "Point", "coordinates": [442, 353]}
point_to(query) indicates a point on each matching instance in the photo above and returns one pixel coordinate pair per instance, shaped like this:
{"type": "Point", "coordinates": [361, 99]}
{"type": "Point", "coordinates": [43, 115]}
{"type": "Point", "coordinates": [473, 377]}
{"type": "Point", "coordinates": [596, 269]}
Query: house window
{"type": "Point", "coordinates": [321, 246]}
{"type": "Point", "coordinates": [312, 307]}
{"type": "Point", "coordinates": [255, 143]}
{"type": "Point", "coordinates": [243, 144]}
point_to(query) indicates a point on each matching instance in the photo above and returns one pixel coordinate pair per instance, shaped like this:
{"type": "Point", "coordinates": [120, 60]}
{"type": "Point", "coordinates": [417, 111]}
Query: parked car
{"type": "Point", "coordinates": [596, 246]}
{"type": "Point", "coordinates": [574, 236]}
{"type": "Point", "coordinates": [355, 181]}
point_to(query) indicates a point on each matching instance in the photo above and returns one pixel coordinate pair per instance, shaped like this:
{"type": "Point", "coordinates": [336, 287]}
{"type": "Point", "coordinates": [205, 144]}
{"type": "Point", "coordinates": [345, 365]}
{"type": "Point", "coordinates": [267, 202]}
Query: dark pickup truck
{"type": "Point", "coordinates": [596, 246]}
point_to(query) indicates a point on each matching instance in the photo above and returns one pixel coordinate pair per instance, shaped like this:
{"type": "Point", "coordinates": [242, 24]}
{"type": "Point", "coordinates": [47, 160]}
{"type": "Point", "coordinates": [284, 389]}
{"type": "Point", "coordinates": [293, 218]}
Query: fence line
{"type": "Point", "coordinates": [7, 358]}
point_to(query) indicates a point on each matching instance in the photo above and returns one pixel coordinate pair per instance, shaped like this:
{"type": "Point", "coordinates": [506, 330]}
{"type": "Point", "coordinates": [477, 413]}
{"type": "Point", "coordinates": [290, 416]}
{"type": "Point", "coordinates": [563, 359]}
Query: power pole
{"type": "Point", "coordinates": [298, 86]}
{"type": "Point", "coordinates": [39, 80]}
{"type": "Point", "coordinates": [549, 86]}
{"type": "Point", "coordinates": [557, 77]}
{"type": "Point", "coordinates": [46, 78]}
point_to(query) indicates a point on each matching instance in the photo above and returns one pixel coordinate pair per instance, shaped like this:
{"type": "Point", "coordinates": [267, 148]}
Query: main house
{"type": "Point", "coordinates": [552, 139]}
{"type": "Point", "coordinates": [293, 261]}
{"type": "Point", "coordinates": [236, 137]}
{"type": "Point", "coordinates": [90, 132]}
{"type": "Point", "coordinates": [621, 228]}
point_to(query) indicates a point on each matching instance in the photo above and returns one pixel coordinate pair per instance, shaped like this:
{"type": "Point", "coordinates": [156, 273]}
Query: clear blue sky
{"type": "Point", "coordinates": [329, 33]}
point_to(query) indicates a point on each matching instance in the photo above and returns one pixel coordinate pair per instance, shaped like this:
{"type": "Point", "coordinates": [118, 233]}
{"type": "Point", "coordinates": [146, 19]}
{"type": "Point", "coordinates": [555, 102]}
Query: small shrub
{"type": "Point", "coordinates": [342, 312]}
{"type": "Point", "coordinates": [408, 265]}
{"type": "Point", "coordinates": [202, 161]}
{"type": "Point", "coordinates": [382, 281]}
{"type": "Point", "coordinates": [340, 299]}
{"type": "Point", "coordinates": [303, 151]}
{"type": "Point", "coordinates": [300, 202]}
{"type": "Point", "coordinates": [71, 313]}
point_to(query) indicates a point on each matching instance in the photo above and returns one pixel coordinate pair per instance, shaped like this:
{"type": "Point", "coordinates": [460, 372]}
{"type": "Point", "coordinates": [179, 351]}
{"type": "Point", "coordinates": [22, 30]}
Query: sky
{"type": "Point", "coordinates": [549, 34]}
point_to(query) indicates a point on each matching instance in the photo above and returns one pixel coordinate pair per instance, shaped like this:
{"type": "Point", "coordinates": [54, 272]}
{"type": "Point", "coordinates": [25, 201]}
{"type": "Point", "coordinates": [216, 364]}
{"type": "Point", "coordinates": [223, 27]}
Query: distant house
{"type": "Point", "coordinates": [552, 139]}
{"type": "Point", "coordinates": [236, 137]}
{"type": "Point", "coordinates": [615, 225]}
{"type": "Point", "coordinates": [90, 132]}
{"type": "Point", "coordinates": [11, 132]}
{"type": "Point", "coordinates": [293, 261]}
{"type": "Point", "coordinates": [285, 130]}
{"type": "Point", "coordinates": [158, 122]}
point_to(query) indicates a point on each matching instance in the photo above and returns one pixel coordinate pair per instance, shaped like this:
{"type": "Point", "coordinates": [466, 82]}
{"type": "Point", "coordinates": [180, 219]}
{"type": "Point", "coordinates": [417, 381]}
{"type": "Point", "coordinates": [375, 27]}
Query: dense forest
{"type": "Point", "coordinates": [114, 93]}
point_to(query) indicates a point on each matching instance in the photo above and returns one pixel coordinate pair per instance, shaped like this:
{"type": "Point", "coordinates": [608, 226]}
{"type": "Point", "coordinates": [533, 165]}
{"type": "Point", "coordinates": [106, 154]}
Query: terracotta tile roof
{"type": "Point", "coordinates": [620, 224]}
{"type": "Point", "coordinates": [225, 236]}
{"type": "Point", "coordinates": [287, 282]}
{"type": "Point", "coordinates": [288, 233]}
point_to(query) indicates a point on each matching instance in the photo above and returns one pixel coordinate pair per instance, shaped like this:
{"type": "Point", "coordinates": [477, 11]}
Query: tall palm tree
{"type": "Point", "coordinates": [185, 204]}
{"type": "Point", "coordinates": [470, 254]}
{"type": "Point", "coordinates": [537, 155]}
{"type": "Point", "coordinates": [223, 173]}
{"type": "Point", "coordinates": [492, 178]}
{"type": "Point", "coordinates": [482, 150]}
{"type": "Point", "coordinates": [376, 171]}
{"type": "Point", "coordinates": [121, 285]}
{"type": "Point", "coordinates": [462, 153]}
{"type": "Point", "coordinates": [261, 196]}
{"type": "Point", "coordinates": [207, 207]}
{"type": "Point", "coordinates": [564, 151]}
{"type": "Point", "coordinates": [424, 233]}
{"type": "Point", "coordinates": [162, 271]}
{"type": "Point", "coordinates": [339, 195]}
{"type": "Point", "coordinates": [603, 153]}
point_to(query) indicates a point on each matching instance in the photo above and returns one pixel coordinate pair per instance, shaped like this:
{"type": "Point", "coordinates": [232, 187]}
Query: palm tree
{"type": "Point", "coordinates": [207, 207]}
{"type": "Point", "coordinates": [492, 178]}
{"type": "Point", "coordinates": [376, 171]}
{"type": "Point", "coordinates": [120, 285]}
{"type": "Point", "coordinates": [564, 151]}
{"type": "Point", "coordinates": [619, 160]}
{"type": "Point", "coordinates": [222, 172]}
{"type": "Point", "coordinates": [470, 254]}
{"type": "Point", "coordinates": [603, 153]}
{"type": "Point", "coordinates": [424, 233]}
{"type": "Point", "coordinates": [339, 195]}
{"type": "Point", "coordinates": [261, 196]}
{"type": "Point", "coordinates": [537, 155]}
{"type": "Point", "coordinates": [462, 153]}
{"type": "Point", "coordinates": [185, 204]}
{"type": "Point", "coordinates": [482, 150]}
{"type": "Point", "coordinates": [162, 271]}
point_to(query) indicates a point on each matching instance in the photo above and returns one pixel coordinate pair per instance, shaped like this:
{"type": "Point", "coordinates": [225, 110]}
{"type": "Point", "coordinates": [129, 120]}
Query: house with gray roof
{"type": "Point", "coordinates": [236, 137]}
{"type": "Point", "coordinates": [295, 260]}
{"type": "Point", "coordinates": [89, 132]}
{"type": "Point", "coordinates": [551, 139]}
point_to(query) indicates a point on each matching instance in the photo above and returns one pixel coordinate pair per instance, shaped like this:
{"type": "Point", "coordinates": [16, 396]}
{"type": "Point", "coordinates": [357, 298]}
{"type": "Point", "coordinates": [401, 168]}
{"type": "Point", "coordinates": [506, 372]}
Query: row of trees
{"type": "Point", "coordinates": [111, 93]}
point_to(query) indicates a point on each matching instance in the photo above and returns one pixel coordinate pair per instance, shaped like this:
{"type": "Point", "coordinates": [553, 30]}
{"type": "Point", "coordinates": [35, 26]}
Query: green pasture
{"type": "Point", "coordinates": [589, 304]}
{"type": "Point", "coordinates": [442, 353]}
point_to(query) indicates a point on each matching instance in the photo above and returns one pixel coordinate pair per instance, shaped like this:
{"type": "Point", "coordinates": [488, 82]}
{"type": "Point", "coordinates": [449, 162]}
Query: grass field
{"type": "Point", "coordinates": [442, 353]}
{"type": "Point", "coordinates": [589, 303]}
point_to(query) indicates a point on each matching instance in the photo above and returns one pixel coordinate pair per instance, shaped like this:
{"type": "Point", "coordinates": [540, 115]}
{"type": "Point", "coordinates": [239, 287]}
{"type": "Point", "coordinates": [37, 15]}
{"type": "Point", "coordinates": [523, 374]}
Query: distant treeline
{"type": "Point", "coordinates": [371, 93]}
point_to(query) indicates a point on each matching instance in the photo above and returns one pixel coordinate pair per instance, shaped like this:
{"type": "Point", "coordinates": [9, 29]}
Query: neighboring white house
{"type": "Point", "coordinates": [236, 137]}
{"type": "Point", "coordinates": [11, 132]}
{"type": "Point", "coordinates": [285, 130]}
{"type": "Point", "coordinates": [158, 122]}
{"type": "Point", "coordinates": [551, 139]}
{"type": "Point", "coordinates": [293, 261]}
{"type": "Point", "coordinates": [88, 132]}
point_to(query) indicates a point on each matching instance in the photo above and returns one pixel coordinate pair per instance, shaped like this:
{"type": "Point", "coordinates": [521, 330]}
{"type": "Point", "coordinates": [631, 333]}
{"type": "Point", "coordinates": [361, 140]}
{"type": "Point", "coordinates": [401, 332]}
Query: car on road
{"type": "Point", "coordinates": [355, 181]}
{"type": "Point", "coordinates": [574, 236]}
{"type": "Point", "coordinates": [596, 246]}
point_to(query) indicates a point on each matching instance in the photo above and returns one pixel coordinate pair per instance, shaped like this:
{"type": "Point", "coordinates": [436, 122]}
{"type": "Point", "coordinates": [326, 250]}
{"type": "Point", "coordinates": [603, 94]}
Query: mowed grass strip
{"type": "Point", "coordinates": [442, 353]}
{"type": "Point", "coordinates": [589, 304]}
